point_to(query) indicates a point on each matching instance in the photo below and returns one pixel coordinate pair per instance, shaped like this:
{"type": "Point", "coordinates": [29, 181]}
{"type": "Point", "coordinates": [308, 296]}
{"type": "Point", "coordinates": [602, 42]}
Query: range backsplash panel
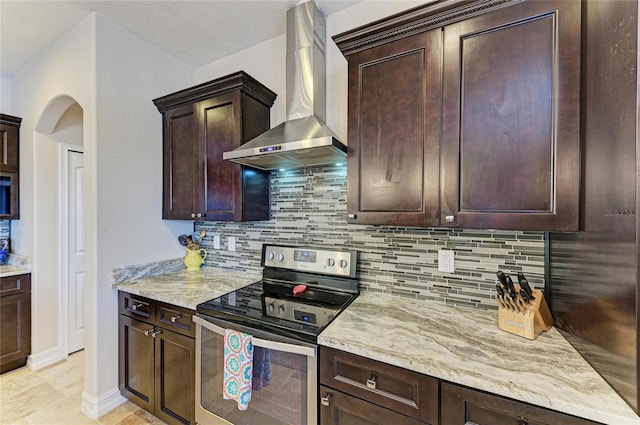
{"type": "Point", "coordinates": [308, 207]}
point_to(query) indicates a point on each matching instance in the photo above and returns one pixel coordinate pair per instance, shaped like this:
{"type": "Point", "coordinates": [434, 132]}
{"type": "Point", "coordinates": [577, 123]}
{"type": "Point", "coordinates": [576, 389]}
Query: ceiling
{"type": "Point", "coordinates": [196, 32]}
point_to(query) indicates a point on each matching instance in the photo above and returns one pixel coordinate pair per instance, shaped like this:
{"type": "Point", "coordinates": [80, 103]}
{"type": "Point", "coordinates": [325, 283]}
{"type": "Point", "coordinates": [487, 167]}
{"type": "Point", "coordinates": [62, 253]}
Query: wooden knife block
{"type": "Point", "coordinates": [531, 322]}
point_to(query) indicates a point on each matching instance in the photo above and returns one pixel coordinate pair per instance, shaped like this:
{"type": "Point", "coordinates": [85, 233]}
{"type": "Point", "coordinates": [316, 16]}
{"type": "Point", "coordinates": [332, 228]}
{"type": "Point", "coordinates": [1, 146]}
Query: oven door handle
{"type": "Point", "coordinates": [260, 342]}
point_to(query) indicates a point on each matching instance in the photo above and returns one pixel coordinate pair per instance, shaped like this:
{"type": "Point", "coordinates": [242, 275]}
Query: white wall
{"type": "Point", "coordinates": [128, 187]}
{"type": "Point", "coordinates": [64, 69]}
{"type": "Point", "coordinates": [5, 96]}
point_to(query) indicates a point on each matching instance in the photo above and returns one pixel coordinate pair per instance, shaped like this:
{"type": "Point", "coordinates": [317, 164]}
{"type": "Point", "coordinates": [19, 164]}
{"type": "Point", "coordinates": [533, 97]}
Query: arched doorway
{"type": "Point", "coordinates": [58, 228]}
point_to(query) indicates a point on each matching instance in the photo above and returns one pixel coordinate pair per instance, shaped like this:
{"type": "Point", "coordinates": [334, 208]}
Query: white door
{"type": "Point", "coordinates": [76, 252]}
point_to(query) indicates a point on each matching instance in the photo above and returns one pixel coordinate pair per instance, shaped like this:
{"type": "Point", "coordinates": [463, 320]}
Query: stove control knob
{"type": "Point", "coordinates": [271, 256]}
{"type": "Point", "coordinates": [270, 308]}
{"type": "Point", "coordinates": [280, 256]}
{"type": "Point", "coordinates": [280, 309]}
{"type": "Point", "coordinates": [331, 262]}
{"type": "Point", "coordinates": [343, 264]}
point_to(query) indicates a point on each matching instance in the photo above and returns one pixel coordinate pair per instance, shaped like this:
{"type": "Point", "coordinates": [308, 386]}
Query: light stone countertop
{"type": "Point", "coordinates": [465, 346]}
{"type": "Point", "coordinates": [188, 288]}
{"type": "Point", "coordinates": [16, 264]}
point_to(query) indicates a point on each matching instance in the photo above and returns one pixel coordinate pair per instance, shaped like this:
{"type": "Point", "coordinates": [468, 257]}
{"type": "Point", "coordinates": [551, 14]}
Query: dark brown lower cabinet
{"type": "Point", "coordinates": [15, 321]}
{"type": "Point", "coordinates": [460, 406]}
{"type": "Point", "coordinates": [157, 363]}
{"type": "Point", "coordinates": [338, 408]}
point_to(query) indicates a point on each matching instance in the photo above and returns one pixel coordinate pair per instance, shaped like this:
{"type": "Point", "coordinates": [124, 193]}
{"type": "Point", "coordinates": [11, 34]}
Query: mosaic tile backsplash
{"type": "Point", "coordinates": [308, 207]}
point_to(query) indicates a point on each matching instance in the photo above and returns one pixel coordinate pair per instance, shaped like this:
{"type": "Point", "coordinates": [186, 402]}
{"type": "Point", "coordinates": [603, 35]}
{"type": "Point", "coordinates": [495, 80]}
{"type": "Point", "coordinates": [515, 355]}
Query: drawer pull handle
{"type": "Point", "coordinates": [153, 334]}
{"type": "Point", "coordinates": [148, 332]}
{"type": "Point", "coordinates": [371, 383]}
{"type": "Point", "coordinates": [177, 317]}
{"type": "Point", "coordinates": [136, 306]}
{"type": "Point", "coordinates": [325, 400]}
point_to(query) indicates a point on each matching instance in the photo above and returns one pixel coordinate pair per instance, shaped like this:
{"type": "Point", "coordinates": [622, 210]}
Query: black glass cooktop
{"type": "Point", "coordinates": [270, 306]}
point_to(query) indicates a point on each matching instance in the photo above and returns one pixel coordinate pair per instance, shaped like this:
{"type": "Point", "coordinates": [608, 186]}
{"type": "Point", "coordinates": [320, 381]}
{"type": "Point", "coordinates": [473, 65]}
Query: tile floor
{"type": "Point", "coordinates": [53, 395]}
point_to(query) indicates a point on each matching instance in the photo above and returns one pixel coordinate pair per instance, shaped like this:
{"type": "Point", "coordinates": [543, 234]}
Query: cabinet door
{"type": "Point", "coordinates": [180, 152]}
{"type": "Point", "coordinates": [136, 362]}
{"type": "Point", "coordinates": [343, 409]}
{"type": "Point", "coordinates": [15, 326]}
{"type": "Point", "coordinates": [175, 377]}
{"type": "Point", "coordinates": [461, 405]}
{"type": "Point", "coordinates": [219, 130]}
{"type": "Point", "coordinates": [394, 132]}
{"type": "Point", "coordinates": [9, 139]}
{"type": "Point", "coordinates": [511, 136]}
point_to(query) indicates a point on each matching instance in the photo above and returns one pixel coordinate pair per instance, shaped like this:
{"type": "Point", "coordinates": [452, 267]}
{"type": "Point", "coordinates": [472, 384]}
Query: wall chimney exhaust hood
{"type": "Point", "coordinates": [303, 140]}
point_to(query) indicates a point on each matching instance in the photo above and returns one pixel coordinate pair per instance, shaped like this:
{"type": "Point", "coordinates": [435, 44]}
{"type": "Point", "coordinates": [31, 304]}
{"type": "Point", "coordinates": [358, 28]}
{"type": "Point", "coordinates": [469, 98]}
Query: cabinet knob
{"type": "Point", "coordinates": [136, 306]}
{"type": "Point", "coordinates": [371, 382]}
{"type": "Point", "coordinates": [193, 215]}
{"type": "Point", "coordinates": [158, 332]}
{"type": "Point", "coordinates": [199, 215]}
{"type": "Point", "coordinates": [325, 400]}
{"type": "Point", "coordinates": [174, 318]}
{"type": "Point", "coordinates": [352, 216]}
{"type": "Point", "coordinates": [148, 332]}
{"type": "Point", "coordinates": [450, 218]}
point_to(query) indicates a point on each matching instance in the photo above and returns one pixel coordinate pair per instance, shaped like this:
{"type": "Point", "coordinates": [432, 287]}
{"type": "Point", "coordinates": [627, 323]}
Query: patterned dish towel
{"type": "Point", "coordinates": [238, 367]}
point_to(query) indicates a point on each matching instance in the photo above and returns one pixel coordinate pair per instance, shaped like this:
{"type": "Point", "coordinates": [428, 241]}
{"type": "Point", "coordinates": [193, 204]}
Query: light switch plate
{"type": "Point", "coordinates": [216, 241]}
{"type": "Point", "coordinates": [231, 243]}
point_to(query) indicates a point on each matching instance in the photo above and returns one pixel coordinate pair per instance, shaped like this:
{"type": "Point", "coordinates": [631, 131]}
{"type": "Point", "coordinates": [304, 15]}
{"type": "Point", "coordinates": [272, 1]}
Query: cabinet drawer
{"type": "Point", "coordinates": [398, 389]}
{"type": "Point", "coordinates": [462, 405]}
{"type": "Point", "coordinates": [136, 306]}
{"type": "Point", "coordinates": [342, 409]}
{"type": "Point", "coordinates": [13, 285]}
{"type": "Point", "coordinates": [175, 318]}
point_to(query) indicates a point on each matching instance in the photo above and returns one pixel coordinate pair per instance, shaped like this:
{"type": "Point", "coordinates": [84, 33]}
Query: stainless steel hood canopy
{"type": "Point", "coordinates": [304, 140]}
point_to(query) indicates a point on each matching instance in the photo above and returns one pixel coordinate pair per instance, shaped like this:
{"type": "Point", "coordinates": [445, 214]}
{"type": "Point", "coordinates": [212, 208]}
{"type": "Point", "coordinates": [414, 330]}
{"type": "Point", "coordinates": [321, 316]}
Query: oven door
{"type": "Point", "coordinates": [289, 397]}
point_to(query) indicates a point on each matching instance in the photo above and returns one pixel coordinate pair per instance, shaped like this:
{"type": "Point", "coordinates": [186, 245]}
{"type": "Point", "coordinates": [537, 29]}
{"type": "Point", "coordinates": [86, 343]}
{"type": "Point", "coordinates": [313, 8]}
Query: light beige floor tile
{"type": "Point", "coordinates": [64, 412]}
{"type": "Point", "coordinates": [26, 402]}
{"type": "Point", "coordinates": [141, 417]}
{"type": "Point", "coordinates": [118, 414]}
{"type": "Point", "coordinates": [53, 396]}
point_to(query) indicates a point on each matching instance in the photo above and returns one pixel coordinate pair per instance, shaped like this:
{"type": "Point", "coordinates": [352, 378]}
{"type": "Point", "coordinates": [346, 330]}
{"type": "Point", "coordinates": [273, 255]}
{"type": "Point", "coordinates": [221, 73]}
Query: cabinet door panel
{"type": "Point", "coordinates": [9, 148]}
{"type": "Point", "coordinates": [394, 130]}
{"type": "Point", "coordinates": [136, 362]}
{"type": "Point", "coordinates": [461, 405]}
{"type": "Point", "coordinates": [175, 377]}
{"type": "Point", "coordinates": [220, 133]}
{"type": "Point", "coordinates": [180, 149]}
{"type": "Point", "coordinates": [15, 328]}
{"type": "Point", "coordinates": [346, 410]}
{"type": "Point", "coordinates": [510, 146]}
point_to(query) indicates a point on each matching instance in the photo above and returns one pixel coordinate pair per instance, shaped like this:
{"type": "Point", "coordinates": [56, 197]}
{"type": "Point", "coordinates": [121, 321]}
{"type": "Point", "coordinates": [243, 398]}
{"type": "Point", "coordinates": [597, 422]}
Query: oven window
{"type": "Point", "coordinates": [280, 400]}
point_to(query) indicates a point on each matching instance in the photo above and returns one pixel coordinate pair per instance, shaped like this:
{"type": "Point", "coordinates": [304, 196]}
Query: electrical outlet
{"type": "Point", "coordinates": [231, 243]}
{"type": "Point", "coordinates": [446, 261]}
{"type": "Point", "coordinates": [216, 241]}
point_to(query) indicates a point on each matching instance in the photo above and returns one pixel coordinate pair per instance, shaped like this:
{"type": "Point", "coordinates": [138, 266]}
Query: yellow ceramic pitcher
{"type": "Point", "coordinates": [195, 258]}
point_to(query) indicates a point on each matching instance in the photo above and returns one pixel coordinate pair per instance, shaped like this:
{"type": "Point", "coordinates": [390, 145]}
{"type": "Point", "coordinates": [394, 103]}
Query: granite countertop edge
{"type": "Point", "coordinates": [15, 265]}
{"type": "Point", "coordinates": [465, 346]}
{"type": "Point", "coordinates": [188, 288]}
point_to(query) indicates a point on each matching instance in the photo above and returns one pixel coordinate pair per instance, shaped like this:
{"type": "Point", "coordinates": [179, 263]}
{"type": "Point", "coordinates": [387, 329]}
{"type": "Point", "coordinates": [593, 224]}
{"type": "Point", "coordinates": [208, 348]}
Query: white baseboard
{"type": "Point", "coordinates": [45, 358]}
{"type": "Point", "coordinates": [95, 407]}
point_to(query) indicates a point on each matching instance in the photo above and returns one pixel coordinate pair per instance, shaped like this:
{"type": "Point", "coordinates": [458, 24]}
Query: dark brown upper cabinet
{"type": "Point", "coordinates": [511, 119]}
{"type": "Point", "coordinates": [466, 114]}
{"type": "Point", "coordinates": [199, 124]}
{"type": "Point", "coordinates": [9, 166]}
{"type": "Point", "coordinates": [394, 132]}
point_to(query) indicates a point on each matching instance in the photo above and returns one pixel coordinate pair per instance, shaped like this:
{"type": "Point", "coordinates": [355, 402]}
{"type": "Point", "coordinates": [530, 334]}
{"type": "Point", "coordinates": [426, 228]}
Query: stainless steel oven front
{"type": "Point", "coordinates": [288, 397]}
